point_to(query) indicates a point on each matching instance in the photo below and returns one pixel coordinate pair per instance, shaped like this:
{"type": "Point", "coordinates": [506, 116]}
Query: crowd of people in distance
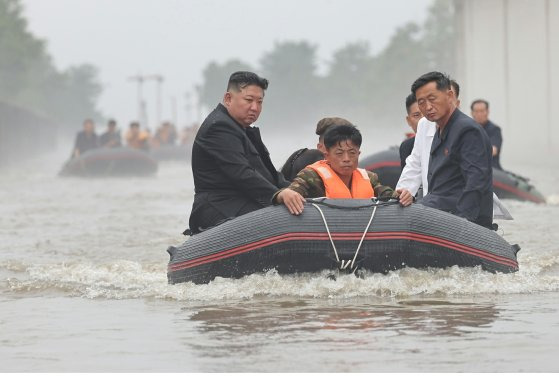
{"type": "Point", "coordinates": [135, 137]}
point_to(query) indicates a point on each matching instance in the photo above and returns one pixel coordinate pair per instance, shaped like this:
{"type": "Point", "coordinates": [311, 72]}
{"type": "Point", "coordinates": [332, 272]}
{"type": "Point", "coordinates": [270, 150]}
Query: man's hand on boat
{"type": "Point", "coordinates": [295, 202]}
{"type": "Point", "coordinates": [405, 196]}
{"type": "Point", "coordinates": [292, 200]}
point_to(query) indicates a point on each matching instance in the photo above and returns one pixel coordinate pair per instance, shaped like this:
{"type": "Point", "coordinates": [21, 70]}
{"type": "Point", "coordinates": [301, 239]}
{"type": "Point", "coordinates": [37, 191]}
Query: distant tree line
{"type": "Point", "coordinates": [364, 87]}
{"type": "Point", "coordinates": [29, 79]}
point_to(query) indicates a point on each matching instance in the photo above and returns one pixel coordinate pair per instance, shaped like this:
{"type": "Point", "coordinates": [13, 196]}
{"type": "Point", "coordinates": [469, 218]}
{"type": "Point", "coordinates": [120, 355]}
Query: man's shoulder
{"type": "Point", "coordinates": [425, 127]}
{"type": "Point", "coordinates": [308, 173]}
{"type": "Point", "coordinates": [407, 143]}
{"type": "Point", "coordinates": [218, 121]}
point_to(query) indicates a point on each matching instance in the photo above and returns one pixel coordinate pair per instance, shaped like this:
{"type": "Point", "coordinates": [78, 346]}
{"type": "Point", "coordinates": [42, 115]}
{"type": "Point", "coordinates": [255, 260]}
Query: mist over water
{"type": "Point", "coordinates": [84, 288]}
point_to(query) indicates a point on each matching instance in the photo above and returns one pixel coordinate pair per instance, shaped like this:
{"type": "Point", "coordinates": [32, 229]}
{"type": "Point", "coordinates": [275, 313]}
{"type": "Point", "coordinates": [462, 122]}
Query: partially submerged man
{"type": "Point", "coordinates": [85, 139]}
{"type": "Point", "coordinates": [480, 113]}
{"type": "Point", "coordinates": [460, 173]}
{"type": "Point", "coordinates": [337, 176]}
{"type": "Point", "coordinates": [304, 157]}
{"type": "Point", "coordinates": [233, 172]}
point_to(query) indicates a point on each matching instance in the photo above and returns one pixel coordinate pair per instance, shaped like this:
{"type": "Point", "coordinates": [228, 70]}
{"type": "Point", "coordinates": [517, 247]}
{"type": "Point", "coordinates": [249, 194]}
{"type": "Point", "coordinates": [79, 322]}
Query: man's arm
{"type": "Point", "coordinates": [410, 178]}
{"type": "Point", "coordinates": [381, 191]}
{"type": "Point", "coordinates": [224, 145]}
{"type": "Point", "coordinates": [496, 140]}
{"type": "Point", "coordinates": [475, 164]}
{"type": "Point", "coordinates": [307, 183]}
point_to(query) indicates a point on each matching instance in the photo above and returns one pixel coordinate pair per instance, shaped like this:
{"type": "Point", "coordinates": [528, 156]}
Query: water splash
{"type": "Point", "coordinates": [123, 279]}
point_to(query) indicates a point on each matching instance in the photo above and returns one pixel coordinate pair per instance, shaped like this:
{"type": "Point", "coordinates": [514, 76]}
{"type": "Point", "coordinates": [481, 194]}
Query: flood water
{"type": "Point", "coordinates": [84, 288]}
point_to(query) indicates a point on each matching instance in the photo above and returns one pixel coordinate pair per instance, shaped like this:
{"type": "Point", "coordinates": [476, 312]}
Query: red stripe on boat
{"type": "Point", "coordinates": [396, 235]}
{"type": "Point", "coordinates": [518, 192]}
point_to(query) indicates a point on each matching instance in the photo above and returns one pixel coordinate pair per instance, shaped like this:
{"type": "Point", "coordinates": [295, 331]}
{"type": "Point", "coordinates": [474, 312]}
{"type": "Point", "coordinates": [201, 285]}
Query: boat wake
{"type": "Point", "coordinates": [123, 279]}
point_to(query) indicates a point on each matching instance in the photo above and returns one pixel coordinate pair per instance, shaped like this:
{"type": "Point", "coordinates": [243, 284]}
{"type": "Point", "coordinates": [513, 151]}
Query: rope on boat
{"type": "Point", "coordinates": [374, 202]}
{"type": "Point", "coordinates": [343, 264]}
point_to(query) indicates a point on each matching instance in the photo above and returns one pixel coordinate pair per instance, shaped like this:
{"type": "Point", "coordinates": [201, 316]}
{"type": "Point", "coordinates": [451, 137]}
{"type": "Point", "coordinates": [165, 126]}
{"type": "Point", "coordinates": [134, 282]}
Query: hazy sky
{"type": "Point", "coordinates": [178, 38]}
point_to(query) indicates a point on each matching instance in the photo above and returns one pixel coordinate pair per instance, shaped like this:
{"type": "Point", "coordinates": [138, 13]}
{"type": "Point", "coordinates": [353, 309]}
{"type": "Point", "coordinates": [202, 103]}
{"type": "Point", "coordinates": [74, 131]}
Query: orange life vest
{"type": "Point", "coordinates": [336, 188]}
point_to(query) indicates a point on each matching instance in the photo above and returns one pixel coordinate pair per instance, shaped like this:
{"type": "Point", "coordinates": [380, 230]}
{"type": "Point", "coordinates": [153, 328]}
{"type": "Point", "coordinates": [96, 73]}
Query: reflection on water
{"type": "Point", "coordinates": [428, 317]}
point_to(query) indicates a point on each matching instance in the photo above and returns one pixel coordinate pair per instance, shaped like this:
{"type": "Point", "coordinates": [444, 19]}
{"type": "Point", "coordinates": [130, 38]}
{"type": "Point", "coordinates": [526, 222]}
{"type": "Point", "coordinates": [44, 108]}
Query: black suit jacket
{"type": "Point", "coordinates": [233, 172]}
{"type": "Point", "coordinates": [460, 174]}
{"type": "Point", "coordinates": [406, 148]}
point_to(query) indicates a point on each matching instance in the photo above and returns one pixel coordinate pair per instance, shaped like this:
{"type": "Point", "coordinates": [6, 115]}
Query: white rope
{"type": "Point", "coordinates": [363, 237]}
{"type": "Point", "coordinates": [344, 264]}
{"type": "Point", "coordinates": [327, 230]}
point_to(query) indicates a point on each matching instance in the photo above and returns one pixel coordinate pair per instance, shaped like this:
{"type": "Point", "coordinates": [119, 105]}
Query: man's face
{"type": "Point", "coordinates": [245, 106]}
{"type": "Point", "coordinates": [343, 158]}
{"type": "Point", "coordinates": [88, 127]}
{"type": "Point", "coordinates": [414, 116]}
{"type": "Point", "coordinates": [433, 103]}
{"type": "Point", "coordinates": [480, 113]}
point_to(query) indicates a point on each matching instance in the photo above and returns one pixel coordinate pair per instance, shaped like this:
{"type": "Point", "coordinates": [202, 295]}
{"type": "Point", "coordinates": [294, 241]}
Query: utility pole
{"type": "Point", "coordinates": [142, 113]}
{"type": "Point", "coordinates": [174, 111]}
{"type": "Point", "coordinates": [188, 107]}
{"type": "Point", "coordinates": [159, 81]}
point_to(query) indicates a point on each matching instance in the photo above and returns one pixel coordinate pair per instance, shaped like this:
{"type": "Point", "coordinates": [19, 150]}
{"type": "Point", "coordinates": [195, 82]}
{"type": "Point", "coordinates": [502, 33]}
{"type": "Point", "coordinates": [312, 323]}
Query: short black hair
{"type": "Point", "coordinates": [111, 122]}
{"type": "Point", "coordinates": [338, 133]}
{"type": "Point", "coordinates": [480, 101]}
{"type": "Point", "coordinates": [456, 87]}
{"type": "Point", "coordinates": [410, 99]}
{"type": "Point", "coordinates": [134, 124]}
{"type": "Point", "coordinates": [442, 80]}
{"type": "Point", "coordinates": [240, 80]}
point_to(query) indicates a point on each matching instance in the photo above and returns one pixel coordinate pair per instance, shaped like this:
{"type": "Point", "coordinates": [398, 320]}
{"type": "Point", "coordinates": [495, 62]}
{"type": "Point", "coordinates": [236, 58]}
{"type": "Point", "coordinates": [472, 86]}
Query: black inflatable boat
{"type": "Point", "coordinates": [505, 184]}
{"type": "Point", "coordinates": [339, 234]}
{"type": "Point", "coordinates": [122, 161]}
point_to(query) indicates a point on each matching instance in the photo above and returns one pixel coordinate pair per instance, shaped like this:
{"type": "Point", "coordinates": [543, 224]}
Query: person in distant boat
{"type": "Point", "coordinates": [337, 176]}
{"type": "Point", "coordinates": [480, 113]}
{"type": "Point", "coordinates": [111, 138]}
{"type": "Point", "coordinates": [137, 139]}
{"type": "Point", "coordinates": [165, 135]}
{"type": "Point", "coordinates": [232, 169]}
{"type": "Point", "coordinates": [85, 139]}
{"type": "Point", "coordinates": [460, 175]}
{"type": "Point", "coordinates": [412, 118]}
{"type": "Point", "coordinates": [304, 157]}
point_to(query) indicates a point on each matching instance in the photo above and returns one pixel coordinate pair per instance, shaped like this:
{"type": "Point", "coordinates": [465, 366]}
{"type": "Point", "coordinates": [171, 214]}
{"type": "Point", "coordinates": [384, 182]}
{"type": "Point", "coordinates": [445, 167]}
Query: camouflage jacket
{"type": "Point", "coordinates": [309, 184]}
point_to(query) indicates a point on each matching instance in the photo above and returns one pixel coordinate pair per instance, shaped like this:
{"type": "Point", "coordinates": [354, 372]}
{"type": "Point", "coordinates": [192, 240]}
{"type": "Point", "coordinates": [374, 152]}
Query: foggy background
{"type": "Point", "coordinates": [63, 61]}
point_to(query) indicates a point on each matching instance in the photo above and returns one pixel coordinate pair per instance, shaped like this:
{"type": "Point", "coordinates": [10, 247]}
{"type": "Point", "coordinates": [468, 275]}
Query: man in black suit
{"type": "Point", "coordinates": [460, 173]}
{"type": "Point", "coordinates": [480, 113]}
{"type": "Point", "coordinates": [233, 172]}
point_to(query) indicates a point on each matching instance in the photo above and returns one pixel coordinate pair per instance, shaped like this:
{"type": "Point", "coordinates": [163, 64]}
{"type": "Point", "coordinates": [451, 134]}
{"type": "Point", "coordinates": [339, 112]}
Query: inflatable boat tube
{"type": "Point", "coordinates": [396, 237]}
{"type": "Point", "coordinates": [505, 183]}
{"type": "Point", "coordinates": [111, 162]}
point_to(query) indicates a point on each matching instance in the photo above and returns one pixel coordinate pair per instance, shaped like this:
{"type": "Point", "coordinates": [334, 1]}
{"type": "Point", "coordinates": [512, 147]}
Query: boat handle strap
{"type": "Point", "coordinates": [343, 264]}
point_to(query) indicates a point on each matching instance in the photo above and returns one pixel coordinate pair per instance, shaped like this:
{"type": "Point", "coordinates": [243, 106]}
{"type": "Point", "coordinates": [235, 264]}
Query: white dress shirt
{"type": "Point", "coordinates": [415, 171]}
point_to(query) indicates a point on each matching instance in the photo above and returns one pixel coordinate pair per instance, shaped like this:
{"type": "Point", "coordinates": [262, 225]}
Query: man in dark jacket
{"type": "Point", "coordinates": [86, 139]}
{"type": "Point", "coordinates": [111, 138]}
{"type": "Point", "coordinates": [480, 113]}
{"type": "Point", "coordinates": [413, 116]}
{"type": "Point", "coordinates": [233, 172]}
{"type": "Point", "coordinates": [460, 173]}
